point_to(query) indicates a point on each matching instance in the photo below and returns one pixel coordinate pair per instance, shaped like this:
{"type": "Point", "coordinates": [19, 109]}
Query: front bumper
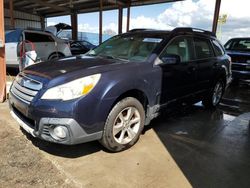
{"type": "Point", "coordinates": [245, 75]}
{"type": "Point", "coordinates": [39, 121]}
{"type": "Point", "coordinates": [75, 135]}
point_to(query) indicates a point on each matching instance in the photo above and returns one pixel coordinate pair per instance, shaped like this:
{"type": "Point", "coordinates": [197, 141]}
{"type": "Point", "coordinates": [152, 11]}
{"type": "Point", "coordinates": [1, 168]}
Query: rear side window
{"type": "Point", "coordinates": [218, 49]}
{"type": "Point", "coordinates": [203, 48]}
{"type": "Point", "coordinates": [36, 37]}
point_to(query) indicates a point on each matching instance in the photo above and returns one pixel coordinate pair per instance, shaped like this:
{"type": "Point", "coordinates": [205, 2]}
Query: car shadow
{"type": "Point", "coordinates": [67, 151]}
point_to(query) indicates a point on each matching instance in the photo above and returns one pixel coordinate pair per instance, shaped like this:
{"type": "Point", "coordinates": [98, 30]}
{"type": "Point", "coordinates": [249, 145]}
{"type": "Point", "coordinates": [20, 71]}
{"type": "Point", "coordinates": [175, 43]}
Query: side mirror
{"type": "Point", "coordinates": [171, 59]}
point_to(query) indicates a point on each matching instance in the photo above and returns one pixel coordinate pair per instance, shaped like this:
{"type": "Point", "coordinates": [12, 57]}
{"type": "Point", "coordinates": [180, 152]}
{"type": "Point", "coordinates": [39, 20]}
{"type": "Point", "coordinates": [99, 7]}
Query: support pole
{"type": "Point", "coordinates": [128, 16]}
{"type": "Point", "coordinates": [12, 20]}
{"type": "Point", "coordinates": [2, 55]}
{"type": "Point", "coordinates": [216, 15]}
{"type": "Point", "coordinates": [42, 20]}
{"type": "Point", "coordinates": [100, 22]}
{"type": "Point", "coordinates": [120, 14]}
{"type": "Point", "coordinates": [73, 17]}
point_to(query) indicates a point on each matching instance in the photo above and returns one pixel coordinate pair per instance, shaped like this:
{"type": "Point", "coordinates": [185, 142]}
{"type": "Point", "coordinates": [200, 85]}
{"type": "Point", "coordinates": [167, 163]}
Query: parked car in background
{"type": "Point", "coordinates": [239, 50]}
{"type": "Point", "coordinates": [80, 47]}
{"type": "Point", "coordinates": [46, 45]}
{"type": "Point", "coordinates": [110, 93]}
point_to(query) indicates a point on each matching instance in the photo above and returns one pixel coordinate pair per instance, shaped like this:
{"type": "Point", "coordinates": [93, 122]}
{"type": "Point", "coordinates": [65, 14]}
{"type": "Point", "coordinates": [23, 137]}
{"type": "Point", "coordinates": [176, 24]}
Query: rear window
{"type": "Point", "coordinates": [238, 44]}
{"type": "Point", "coordinates": [13, 36]}
{"type": "Point", "coordinates": [37, 37]}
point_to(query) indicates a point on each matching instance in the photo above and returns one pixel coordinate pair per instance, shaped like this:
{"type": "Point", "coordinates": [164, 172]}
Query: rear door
{"type": "Point", "coordinates": [44, 44]}
{"type": "Point", "coordinates": [178, 80]}
{"type": "Point", "coordinates": [206, 61]}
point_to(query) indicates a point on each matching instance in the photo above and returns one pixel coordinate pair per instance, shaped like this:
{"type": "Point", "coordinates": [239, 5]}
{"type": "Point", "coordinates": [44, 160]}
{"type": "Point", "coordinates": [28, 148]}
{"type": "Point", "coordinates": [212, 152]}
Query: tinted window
{"type": "Point", "coordinates": [179, 46]}
{"type": "Point", "coordinates": [218, 48]}
{"type": "Point", "coordinates": [203, 48]}
{"type": "Point", "coordinates": [36, 37]}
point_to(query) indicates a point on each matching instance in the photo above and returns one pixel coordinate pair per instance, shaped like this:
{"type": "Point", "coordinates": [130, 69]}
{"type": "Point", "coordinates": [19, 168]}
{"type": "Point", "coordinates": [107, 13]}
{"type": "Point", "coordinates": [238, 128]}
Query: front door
{"type": "Point", "coordinates": [178, 79]}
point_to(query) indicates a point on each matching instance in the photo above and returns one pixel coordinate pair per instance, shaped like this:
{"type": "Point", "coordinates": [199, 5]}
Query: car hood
{"type": "Point", "coordinates": [231, 52]}
{"type": "Point", "coordinates": [74, 66]}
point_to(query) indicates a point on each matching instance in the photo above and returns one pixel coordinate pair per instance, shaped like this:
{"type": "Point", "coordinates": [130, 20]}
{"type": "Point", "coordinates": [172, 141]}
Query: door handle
{"type": "Point", "coordinates": [191, 69]}
{"type": "Point", "coordinates": [215, 64]}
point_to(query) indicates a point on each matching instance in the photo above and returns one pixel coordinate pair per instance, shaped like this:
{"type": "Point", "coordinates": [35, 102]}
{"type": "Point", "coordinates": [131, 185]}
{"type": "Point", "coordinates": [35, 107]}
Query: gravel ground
{"type": "Point", "coordinates": [22, 164]}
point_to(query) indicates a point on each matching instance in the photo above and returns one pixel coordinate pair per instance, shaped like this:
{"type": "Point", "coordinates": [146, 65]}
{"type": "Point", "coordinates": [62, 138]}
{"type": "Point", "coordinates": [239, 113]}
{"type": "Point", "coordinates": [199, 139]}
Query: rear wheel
{"type": "Point", "coordinates": [123, 125]}
{"type": "Point", "coordinates": [215, 95]}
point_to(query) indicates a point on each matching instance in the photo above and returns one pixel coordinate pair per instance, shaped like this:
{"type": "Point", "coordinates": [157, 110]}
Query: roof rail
{"type": "Point", "coordinates": [190, 29]}
{"type": "Point", "coordinates": [139, 29]}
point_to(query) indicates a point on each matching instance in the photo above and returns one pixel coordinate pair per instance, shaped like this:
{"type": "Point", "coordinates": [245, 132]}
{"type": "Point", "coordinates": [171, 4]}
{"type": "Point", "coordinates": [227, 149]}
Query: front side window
{"type": "Point", "coordinates": [181, 47]}
{"type": "Point", "coordinates": [219, 51]}
{"type": "Point", "coordinates": [130, 48]}
{"type": "Point", "coordinates": [203, 48]}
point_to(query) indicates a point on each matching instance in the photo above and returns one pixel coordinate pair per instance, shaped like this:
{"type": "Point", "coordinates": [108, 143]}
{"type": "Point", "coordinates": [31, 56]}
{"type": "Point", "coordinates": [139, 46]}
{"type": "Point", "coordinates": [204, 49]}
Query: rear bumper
{"type": "Point", "coordinates": [241, 74]}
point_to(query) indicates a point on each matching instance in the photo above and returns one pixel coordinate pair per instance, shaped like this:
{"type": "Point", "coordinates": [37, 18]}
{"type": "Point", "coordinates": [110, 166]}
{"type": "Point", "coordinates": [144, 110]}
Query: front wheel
{"type": "Point", "coordinates": [215, 95]}
{"type": "Point", "coordinates": [123, 125]}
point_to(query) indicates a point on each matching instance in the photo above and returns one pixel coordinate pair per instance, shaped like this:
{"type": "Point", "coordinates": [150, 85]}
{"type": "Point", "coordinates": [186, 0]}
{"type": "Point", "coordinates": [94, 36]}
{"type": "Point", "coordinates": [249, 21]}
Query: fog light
{"type": "Point", "coordinates": [60, 132]}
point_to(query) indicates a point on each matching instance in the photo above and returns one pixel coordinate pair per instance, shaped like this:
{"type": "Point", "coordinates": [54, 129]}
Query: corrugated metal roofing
{"type": "Point", "coordinates": [49, 8]}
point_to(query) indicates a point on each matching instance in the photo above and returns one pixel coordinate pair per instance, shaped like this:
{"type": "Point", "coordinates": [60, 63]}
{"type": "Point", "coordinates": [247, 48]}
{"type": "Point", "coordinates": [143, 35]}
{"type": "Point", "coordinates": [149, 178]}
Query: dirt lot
{"type": "Point", "coordinates": [21, 164]}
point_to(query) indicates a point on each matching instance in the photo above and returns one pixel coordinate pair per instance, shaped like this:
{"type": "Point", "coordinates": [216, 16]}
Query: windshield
{"type": "Point", "coordinates": [238, 44]}
{"type": "Point", "coordinates": [129, 48]}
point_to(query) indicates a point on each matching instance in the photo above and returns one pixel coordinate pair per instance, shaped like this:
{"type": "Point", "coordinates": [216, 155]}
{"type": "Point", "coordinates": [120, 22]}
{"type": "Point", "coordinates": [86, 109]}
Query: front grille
{"type": "Point", "coordinates": [240, 59]}
{"type": "Point", "coordinates": [25, 88]}
{"type": "Point", "coordinates": [28, 121]}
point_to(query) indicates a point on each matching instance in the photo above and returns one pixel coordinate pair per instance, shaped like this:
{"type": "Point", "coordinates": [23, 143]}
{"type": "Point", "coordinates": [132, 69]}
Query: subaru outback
{"type": "Point", "coordinates": [111, 92]}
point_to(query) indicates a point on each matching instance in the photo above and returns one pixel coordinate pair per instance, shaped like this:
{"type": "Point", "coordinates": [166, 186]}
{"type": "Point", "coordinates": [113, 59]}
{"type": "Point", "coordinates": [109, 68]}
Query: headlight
{"type": "Point", "coordinates": [73, 89]}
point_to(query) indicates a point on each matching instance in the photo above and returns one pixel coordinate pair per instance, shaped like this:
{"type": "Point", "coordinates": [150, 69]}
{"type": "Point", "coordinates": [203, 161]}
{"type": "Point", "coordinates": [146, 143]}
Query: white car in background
{"type": "Point", "coordinates": [46, 45]}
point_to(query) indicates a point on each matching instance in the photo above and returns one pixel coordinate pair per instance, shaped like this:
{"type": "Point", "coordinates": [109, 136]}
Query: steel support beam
{"type": "Point", "coordinates": [128, 15]}
{"type": "Point", "coordinates": [2, 55]}
{"type": "Point", "coordinates": [100, 22]}
{"type": "Point", "coordinates": [74, 24]}
{"type": "Point", "coordinates": [42, 20]}
{"type": "Point", "coordinates": [120, 15]}
{"type": "Point", "coordinates": [216, 15]}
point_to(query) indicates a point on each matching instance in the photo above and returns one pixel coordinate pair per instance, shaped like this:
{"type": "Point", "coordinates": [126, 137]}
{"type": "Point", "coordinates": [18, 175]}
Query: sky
{"type": "Point", "coordinates": [166, 16]}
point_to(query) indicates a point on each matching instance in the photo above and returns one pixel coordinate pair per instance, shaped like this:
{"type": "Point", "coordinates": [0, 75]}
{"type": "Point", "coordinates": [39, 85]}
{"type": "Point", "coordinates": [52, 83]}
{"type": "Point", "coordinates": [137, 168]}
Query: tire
{"type": "Point", "coordinates": [215, 95]}
{"type": "Point", "coordinates": [55, 56]}
{"type": "Point", "coordinates": [124, 125]}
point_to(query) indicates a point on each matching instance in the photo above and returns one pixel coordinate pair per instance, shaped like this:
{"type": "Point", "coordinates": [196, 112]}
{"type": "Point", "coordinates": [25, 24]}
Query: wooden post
{"type": "Point", "coordinates": [120, 14]}
{"type": "Point", "coordinates": [74, 24]}
{"type": "Point", "coordinates": [100, 22]}
{"type": "Point", "coordinates": [42, 20]}
{"type": "Point", "coordinates": [128, 16]}
{"type": "Point", "coordinates": [2, 55]}
{"type": "Point", "coordinates": [12, 19]}
{"type": "Point", "coordinates": [216, 15]}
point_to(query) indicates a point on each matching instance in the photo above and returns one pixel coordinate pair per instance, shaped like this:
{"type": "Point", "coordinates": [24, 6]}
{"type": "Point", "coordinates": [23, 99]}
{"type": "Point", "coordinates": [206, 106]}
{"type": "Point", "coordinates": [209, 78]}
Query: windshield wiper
{"type": "Point", "coordinates": [113, 57]}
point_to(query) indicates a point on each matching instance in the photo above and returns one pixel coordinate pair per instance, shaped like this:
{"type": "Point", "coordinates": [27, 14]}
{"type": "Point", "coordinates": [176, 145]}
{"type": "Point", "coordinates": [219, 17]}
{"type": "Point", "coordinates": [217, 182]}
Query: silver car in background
{"type": "Point", "coordinates": [46, 45]}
